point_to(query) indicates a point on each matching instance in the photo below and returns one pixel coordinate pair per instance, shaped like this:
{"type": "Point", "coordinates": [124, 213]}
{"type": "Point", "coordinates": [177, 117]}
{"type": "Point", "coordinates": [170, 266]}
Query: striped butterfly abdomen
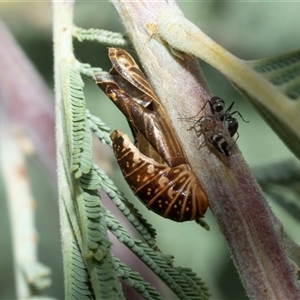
{"type": "Point", "coordinates": [173, 193]}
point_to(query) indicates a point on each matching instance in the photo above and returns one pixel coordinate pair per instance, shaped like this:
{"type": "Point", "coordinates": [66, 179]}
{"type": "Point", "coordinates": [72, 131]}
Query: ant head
{"type": "Point", "coordinates": [217, 104]}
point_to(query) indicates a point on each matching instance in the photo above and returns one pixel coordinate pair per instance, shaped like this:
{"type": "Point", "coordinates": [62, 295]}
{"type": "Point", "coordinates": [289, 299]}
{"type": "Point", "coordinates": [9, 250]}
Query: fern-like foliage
{"type": "Point", "coordinates": [285, 173]}
{"type": "Point", "coordinates": [184, 285]}
{"type": "Point", "coordinates": [283, 71]}
{"type": "Point", "coordinates": [86, 215]}
{"type": "Point", "coordinates": [134, 280]}
{"type": "Point", "coordinates": [99, 128]}
{"type": "Point", "coordinates": [145, 229]}
{"type": "Point", "coordinates": [281, 182]}
{"type": "Point", "coordinates": [88, 70]}
{"type": "Point", "coordinates": [101, 36]}
{"type": "Point", "coordinates": [81, 287]}
{"type": "Point", "coordinates": [79, 135]}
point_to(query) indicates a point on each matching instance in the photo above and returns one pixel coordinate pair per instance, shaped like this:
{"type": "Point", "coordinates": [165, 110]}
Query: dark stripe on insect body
{"type": "Point", "coordinates": [220, 144]}
{"type": "Point", "coordinates": [214, 132]}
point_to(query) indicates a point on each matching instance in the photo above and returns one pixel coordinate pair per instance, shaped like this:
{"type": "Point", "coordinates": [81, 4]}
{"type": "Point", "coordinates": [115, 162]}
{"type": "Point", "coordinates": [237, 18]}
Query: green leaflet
{"type": "Point", "coordinates": [108, 286]}
{"type": "Point", "coordinates": [99, 128]}
{"type": "Point", "coordinates": [92, 261]}
{"type": "Point", "coordinates": [101, 36]}
{"type": "Point", "coordinates": [277, 179]}
{"type": "Point", "coordinates": [84, 220]}
{"type": "Point", "coordinates": [80, 288]}
{"type": "Point", "coordinates": [194, 281]}
{"type": "Point", "coordinates": [83, 152]}
{"type": "Point", "coordinates": [283, 71]}
{"type": "Point", "coordinates": [145, 229]}
{"type": "Point", "coordinates": [88, 70]}
{"type": "Point", "coordinates": [134, 280]}
{"type": "Point", "coordinates": [90, 181]}
{"type": "Point", "coordinates": [78, 131]}
{"type": "Point", "coordinates": [183, 282]}
{"type": "Point", "coordinates": [92, 223]}
{"type": "Point", "coordinates": [89, 267]}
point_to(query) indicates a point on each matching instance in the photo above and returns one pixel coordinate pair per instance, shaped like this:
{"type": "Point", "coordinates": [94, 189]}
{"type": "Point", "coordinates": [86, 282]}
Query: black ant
{"type": "Point", "coordinates": [213, 131]}
{"type": "Point", "coordinates": [217, 105]}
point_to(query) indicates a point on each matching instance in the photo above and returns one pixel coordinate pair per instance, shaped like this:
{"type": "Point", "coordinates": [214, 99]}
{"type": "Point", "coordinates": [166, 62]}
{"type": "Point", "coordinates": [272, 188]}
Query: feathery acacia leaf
{"type": "Point", "coordinates": [79, 134]}
{"type": "Point", "coordinates": [281, 182]}
{"type": "Point", "coordinates": [145, 229]}
{"type": "Point", "coordinates": [283, 72]}
{"type": "Point", "coordinates": [99, 128]}
{"type": "Point", "coordinates": [185, 287]}
{"type": "Point", "coordinates": [134, 280]}
{"type": "Point", "coordinates": [101, 36]}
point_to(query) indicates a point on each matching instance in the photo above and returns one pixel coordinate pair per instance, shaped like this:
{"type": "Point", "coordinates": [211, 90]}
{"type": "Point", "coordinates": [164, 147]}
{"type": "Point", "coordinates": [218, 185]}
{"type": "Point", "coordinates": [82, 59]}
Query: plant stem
{"type": "Point", "coordinates": [235, 198]}
{"type": "Point", "coordinates": [63, 54]}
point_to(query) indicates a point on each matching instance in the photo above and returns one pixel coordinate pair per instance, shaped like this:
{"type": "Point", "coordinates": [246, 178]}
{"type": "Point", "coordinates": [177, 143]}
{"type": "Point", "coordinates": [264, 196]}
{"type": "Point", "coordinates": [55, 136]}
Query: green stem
{"type": "Point", "coordinates": [63, 54]}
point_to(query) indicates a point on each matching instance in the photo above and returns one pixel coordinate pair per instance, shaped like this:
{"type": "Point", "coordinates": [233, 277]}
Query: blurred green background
{"type": "Point", "coordinates": [250, 30]}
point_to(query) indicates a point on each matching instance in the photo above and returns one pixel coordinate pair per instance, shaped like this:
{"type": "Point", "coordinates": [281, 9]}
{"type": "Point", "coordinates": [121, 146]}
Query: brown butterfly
{"type": "Point", "coordinates": [155, 167]}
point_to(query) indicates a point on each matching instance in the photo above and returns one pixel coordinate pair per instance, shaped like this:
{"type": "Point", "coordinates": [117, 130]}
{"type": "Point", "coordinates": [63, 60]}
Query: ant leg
{"type": "Point", "coordinates": [235, 140]}
{"type": "Point", "coordinates": [230, 107]}
{"type": "Point", "coordinates": [193, 117]}
{"type": "Point", "coordinates": [197, 123]}
{"type": "Point", "coordinates": [202, 144]}
{"type": "Point", "coordinates": [237, 112]}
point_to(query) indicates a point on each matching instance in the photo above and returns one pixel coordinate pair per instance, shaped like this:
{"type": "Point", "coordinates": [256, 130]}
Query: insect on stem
{"type": "Point", "coordinates": [216, 127]}
{"type": "Point", "coordinates": [155, 167]}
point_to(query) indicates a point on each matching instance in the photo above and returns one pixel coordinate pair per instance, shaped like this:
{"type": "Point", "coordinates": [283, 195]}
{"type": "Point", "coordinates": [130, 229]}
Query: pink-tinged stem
{"type": "Point", "coordinates": [21, 204]}
{"type": "Point", "coordinates": [25, 100]}
{"type": "Point", "coordinates": [235, 198]}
